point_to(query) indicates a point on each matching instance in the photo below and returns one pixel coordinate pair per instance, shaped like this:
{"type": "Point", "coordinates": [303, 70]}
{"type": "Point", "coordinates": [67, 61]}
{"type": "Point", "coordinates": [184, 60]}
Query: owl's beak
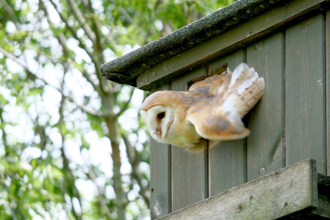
{"type": "Point", "coordinates": [158, 132]}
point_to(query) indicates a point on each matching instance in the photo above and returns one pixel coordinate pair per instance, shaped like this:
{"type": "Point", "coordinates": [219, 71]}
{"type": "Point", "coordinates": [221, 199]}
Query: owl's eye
{"type": "Point", "coordinates": [161, 115]}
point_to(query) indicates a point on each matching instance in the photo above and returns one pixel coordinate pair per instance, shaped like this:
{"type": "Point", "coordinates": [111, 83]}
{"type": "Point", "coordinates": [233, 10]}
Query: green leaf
{"type": "Point", "coordinates": [3, 100]}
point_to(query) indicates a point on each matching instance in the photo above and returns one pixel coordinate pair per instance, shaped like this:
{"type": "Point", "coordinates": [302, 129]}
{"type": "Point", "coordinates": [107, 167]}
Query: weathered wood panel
{"type": "Point", "coordinates": [160, 179]}
{"type": "Point", "coordinates": [327, 45]}
{"type": "Point", "coordinates": [227, 159]}
{"type": "Point", "coordinates": [305, 92]}
{"type": "Point", "coordinates": [189, 169]}
{"type": "Point", "coordinates": [160, 175]}
{"type": "Point", "coordinates": [265, 152]}
{"type": "Point", "coordinates": [278, 194]}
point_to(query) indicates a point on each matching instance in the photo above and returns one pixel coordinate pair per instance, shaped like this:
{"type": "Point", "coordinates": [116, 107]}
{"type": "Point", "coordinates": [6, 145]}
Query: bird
{"type": "Point", "coordinates": [212, 109]}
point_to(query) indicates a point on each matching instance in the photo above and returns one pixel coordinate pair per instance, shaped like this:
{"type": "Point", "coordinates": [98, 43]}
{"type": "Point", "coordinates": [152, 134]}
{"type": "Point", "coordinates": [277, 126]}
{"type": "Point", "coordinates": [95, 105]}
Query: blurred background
{"type": "Point", "coordinates": [72, 145]}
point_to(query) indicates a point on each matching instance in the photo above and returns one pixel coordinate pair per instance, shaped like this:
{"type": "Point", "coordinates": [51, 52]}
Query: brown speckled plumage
{"type": "Point", "coordinates": [211, 109]}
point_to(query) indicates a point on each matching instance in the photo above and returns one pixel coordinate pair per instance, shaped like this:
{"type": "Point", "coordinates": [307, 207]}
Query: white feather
{"type": "Point", "coordinates": [237, 72]}
{"type": "Point", "coordinates": [252, 71]}
{"type": "Point", "coordinates": [228, 105]}
{"type": "Point", "coordinates": [246, 84]}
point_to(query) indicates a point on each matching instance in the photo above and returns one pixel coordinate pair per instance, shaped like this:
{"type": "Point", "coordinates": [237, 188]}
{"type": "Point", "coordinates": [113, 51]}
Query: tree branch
{"type": "Point", "coordinates": [73, 32]}
{"type": "Point", "coordinates": [11, 12]}
{"type": "Point", "coordinates": [88, 78]}
{"type": "Point", "coordinates": [136, 173]}
{"type": "Point", "coordinates": [40, 52]}
{"type": "Point", "coordinates": [92, 111]}
{"type": "Point", "coordinates": [25, 66]}
{"type": "Point", "coordinates": [98, 45]}
{"type": "Point", "coordinates": [68, 174]}
{"type": "Point", "coordinates": [18, 61]}
{"type": "Point", "coordinates": [103, 88]}
{"type": "Point", "coordinates": [87, 4]}
{"type": "Point", "coordinates": [82, 107]}
{"type": "Point", "coordinates": [128, 18]}
{"type": "Point", "coordinates": [56, 61]}
{"type": "Point", "coordinates": [81, 20]}
{"type": "Point", "coordinates": [121, 195]}
{"type": "Point", "coordinates": [4, 134]}
{"type": "Point", "coordinates": [126, 104]}
{"type": "Point", "coordinates": [8, 55]}
{"type": "Point", "coordinates": [62, 41]}
{"type": "Point", "coordinates": [60, 38]}
{"type": "Point", "coordinates": [101, 198]}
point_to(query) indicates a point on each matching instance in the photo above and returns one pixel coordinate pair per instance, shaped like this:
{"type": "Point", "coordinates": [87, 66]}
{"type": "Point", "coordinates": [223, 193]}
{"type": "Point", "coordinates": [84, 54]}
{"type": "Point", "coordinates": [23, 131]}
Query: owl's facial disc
{"type": "Point", "coordinates": [158, 120]}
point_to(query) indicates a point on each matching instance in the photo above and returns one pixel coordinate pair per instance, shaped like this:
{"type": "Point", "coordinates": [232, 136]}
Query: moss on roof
{"type": "Point", "coordinates": [128, 67]}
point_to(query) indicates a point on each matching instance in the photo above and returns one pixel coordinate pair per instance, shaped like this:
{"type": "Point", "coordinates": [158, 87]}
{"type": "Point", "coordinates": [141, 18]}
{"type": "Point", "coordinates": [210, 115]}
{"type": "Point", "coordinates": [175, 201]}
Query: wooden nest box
{"type": "Point", "coordinates": [267, 175]}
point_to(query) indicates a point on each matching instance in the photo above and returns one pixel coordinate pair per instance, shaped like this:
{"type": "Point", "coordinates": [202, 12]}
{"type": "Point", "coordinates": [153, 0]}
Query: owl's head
{"type": "Point", "coordinates": [157, 116]}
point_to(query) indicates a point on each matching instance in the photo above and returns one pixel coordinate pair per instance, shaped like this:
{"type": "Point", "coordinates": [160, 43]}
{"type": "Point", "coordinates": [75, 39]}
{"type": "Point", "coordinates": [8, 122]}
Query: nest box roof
{"type": "Point", "coordinates": [127, 68]}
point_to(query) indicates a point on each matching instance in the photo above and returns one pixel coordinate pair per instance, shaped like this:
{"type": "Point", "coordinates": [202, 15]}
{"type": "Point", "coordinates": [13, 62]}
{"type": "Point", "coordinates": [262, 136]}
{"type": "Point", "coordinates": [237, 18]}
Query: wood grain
{"type": "Point", "coordinates": [305, 92]}
{"type": "Point", "coordinates": [227, 159]}
{"type": "Point", "coordinates": [265, 150]}
{"type": "Point", "coordinates": [287, 191]}
{"type": "Point", "coordinates": [160, 179]}
{"type": "Point", "coordinates": [327, 46]}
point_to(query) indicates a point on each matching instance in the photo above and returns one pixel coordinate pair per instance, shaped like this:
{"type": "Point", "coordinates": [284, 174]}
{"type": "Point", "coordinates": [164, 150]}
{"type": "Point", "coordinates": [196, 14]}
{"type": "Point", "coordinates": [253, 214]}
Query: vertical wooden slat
{"type": "Point", "coordinates": [327, 46]}
{"type": "Point", "coordinates": [160, 179]}
{"type": "Point", "coordinates": [160, 176]}
{"type": "Point", "coordinates": [265, 153]}
{"type": "Point", "coordinates": [305, 92]}
{"type": "Point", "coordinates": [227, 159]}
{"type": "Point", "coordinates": [189, 169]}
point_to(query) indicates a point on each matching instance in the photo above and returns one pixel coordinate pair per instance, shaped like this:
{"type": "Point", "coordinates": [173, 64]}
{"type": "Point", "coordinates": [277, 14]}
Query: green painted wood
{"type": "Point", "coordinates": [189, 169]}
{"type": "Point", "coordinates": [305, 92]}
{"type": "Point", "coordinates": [265, 150]}
{"type": "Point", "coordinates": [160, 179]}
{"type": "Point", "coordinates": [327, 42]}
{"type": "Point", "coordinates": [229, 41]}
{"type": "Point", "coordinates": [227, 159]}
{"type": "Point", "coordinates": [160, 176]}
{"type": "Point", "coordinates": [291, 193]}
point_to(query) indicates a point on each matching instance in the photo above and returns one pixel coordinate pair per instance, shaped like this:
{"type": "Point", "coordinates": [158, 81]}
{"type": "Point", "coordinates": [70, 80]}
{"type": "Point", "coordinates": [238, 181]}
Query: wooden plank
{"type": "Point", "coordinates": [160, 179]}
{"type": "Point", "coordinates": [160, 176]}
{"type": "Point", "coordinates": [227, 159]}
{"type": "Point", "coordinates": [189, 169]}
{"type": "Point", "coordinates": [265, 150]}
{"type": "Point", "coordinates": [327, 42]}
{"type": "Point", "coordinates": [227, 42]}
{"type": "Point", "coordinates": [278, 194]}
{"type": "Point", "coordinates": [305, 92]}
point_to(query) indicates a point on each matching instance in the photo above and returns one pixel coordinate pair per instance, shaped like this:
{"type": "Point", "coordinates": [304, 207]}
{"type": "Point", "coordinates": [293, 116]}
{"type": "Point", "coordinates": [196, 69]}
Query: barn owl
{"type": "Point", "coordinates": [211, 109]}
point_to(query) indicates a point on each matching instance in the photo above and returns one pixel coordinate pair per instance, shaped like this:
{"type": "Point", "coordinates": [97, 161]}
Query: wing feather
{"type": "Point", "coordinates": [234, 95]}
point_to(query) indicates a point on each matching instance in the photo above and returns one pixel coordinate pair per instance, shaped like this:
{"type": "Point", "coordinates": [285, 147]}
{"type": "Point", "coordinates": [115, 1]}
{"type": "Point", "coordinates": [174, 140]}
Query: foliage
{"type": "Point", "coordinates": [71, 145]}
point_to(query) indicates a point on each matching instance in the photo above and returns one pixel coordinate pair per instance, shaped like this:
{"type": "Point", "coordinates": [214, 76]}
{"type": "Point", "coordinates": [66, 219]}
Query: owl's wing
{"type": "Point", "coordinates": [216, 79]}
{"type": "Point", "coordinates": [220, 117]}
{"type": "Point", "coordinates": [213, 123]}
